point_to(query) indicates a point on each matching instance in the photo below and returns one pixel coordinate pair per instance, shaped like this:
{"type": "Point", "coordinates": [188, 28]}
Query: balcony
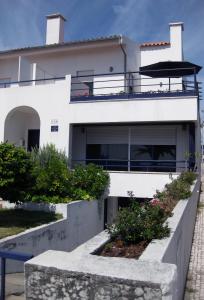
{"type": "Point", "coordinates": [166, 166]}
{"type": "Point", "coordinates": [129, 86]}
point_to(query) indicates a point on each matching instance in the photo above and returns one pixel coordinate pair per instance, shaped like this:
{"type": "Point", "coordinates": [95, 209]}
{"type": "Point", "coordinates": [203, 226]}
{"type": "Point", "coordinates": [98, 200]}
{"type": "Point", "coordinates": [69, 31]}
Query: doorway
{"type": "Point", "coordinates": [33, 139]}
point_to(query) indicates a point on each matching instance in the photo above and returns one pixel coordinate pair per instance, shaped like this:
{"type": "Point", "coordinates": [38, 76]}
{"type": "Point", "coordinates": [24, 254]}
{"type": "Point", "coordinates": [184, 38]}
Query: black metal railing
{"type": "Point", "coordinates": [129, 85]}
{"type": "Point", "coordinates": [139, 165]}
{"type": "Point", "coordinates": [4, 255]}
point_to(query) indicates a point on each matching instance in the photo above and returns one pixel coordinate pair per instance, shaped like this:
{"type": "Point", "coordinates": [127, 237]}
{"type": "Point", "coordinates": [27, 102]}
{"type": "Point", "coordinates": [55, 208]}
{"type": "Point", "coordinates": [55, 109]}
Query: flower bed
{"type": "Point", "coordinates": [136, 226]}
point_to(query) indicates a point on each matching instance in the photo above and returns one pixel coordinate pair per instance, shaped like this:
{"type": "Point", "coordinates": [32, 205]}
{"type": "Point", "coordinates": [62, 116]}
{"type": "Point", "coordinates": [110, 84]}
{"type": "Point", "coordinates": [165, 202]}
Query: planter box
{"type": "Point", "coordinates": [159, 273]}
{"type": "Point", "coordinates": [82, 220]}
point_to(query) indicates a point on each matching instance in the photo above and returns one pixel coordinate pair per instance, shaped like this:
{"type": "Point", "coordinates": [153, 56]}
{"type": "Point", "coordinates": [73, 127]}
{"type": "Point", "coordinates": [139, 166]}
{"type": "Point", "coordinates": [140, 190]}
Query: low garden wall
{"type": "Point", "coordinates": [176, 248]}
{"type": "Point", "coordinates": [82, 220]}
{"type": "Point", "coordinates": [60, 208]}
{"type": "Point", "coordinates": [160, 272]}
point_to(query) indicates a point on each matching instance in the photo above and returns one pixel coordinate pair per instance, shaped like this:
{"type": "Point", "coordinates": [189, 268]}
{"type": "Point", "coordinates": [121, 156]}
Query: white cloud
{"type": "Point", "coordinates": [130, 18]}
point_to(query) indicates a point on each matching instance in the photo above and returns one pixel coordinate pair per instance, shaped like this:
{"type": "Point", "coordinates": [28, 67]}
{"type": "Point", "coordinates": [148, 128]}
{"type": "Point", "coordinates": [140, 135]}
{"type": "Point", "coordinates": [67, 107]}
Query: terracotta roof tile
{"type": "Point", "coordinates": [153, 44]}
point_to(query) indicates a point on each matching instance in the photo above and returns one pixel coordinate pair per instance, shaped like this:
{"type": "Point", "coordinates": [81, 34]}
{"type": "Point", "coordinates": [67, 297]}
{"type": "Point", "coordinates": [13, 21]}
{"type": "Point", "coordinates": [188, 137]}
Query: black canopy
{"type": "Point", "coordinates": [170, 69]}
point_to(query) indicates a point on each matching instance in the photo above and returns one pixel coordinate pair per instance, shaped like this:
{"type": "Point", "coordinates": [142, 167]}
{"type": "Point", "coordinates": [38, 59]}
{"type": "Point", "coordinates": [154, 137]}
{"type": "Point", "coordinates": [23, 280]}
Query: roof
{"type": "Point", "coordinates": [62, 45]}
{"type": "Point", "coordinates": [153, 44]}
{"type": "Point", "coordinates": [78, 43]}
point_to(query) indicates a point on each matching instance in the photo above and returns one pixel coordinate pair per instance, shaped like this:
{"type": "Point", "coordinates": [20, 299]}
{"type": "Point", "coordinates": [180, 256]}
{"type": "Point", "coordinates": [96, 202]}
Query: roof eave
{"type": "Point", "coordinates": [86, 44]}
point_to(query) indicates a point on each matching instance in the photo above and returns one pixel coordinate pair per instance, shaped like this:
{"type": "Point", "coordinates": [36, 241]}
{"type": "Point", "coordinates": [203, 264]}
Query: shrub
{"type": "Point", "coordinates": [178, 189]}
{"type": "Point", "coordinates": [16, 177]}
{"type": "Point", "coordinates": [51, 173]}
{"type": "Point", "coordinates": [188, 177]}
{"type": "Point", "coordinates": [44, 176]}
{"type": "Point", "coordinates": [55, 183]}
{"type": "Point", "coordinates": [146, 221]}
{"type": "Point", "coordinates": [88, 182]}
{"type": "Point", "coordinates": [139, 222]}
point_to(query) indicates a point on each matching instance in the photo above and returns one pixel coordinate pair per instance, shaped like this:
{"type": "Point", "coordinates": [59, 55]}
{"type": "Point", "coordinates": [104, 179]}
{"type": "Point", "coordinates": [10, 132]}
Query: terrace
{"type": "Point", "coordinates": [149, 82]}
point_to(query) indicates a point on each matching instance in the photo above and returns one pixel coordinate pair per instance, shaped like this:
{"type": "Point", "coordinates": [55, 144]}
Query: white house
{"type": "Point", "coordinates": [90, 100]}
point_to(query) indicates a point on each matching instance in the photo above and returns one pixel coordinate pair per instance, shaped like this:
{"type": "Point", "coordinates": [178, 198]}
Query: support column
{"type": "Point", "coordinates": [34, 73]}
{"type": "Point", "coordinates": [112, 209]}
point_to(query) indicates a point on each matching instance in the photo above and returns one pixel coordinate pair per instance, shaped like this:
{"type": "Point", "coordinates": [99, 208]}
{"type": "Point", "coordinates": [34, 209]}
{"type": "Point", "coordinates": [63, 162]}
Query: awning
{"type": "Point", "coordinates": [165, 69]}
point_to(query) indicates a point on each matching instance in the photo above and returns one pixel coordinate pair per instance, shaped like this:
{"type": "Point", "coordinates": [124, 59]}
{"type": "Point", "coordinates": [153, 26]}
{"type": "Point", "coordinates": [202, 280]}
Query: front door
{"type": "Point", "coordinates": [33, 139]}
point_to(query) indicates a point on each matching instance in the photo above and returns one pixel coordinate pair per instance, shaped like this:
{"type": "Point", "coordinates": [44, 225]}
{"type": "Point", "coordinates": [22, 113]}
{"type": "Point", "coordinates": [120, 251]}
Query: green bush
{"type": "Point", "coordinates": [179, 188]}
{"type": "Point", "coordinates": [16, 177]}
{"type": "Point", "coordinates": [139, 222]}
{"type": "Point", "coordinates": [44, 176]}
{"type": "Point", "coordinates": [188, 177]}
{"type": "Point", "coordinates": [51, 173]}
{"type": "Point", "coordinates": [88, 182]}
{"type": "Point", "coordinates": [144, 222]}
{"type": "Point", "coordinates": [55, 183]}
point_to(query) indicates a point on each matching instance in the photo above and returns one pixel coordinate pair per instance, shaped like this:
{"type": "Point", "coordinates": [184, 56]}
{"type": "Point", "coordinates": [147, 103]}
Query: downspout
{"type": "Point", "coordinates": [125, 61]}
{"type": "Point", "coordinates": [125, 54]}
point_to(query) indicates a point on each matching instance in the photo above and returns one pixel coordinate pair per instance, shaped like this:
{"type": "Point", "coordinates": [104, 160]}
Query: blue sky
{"type": "Point", "coordinates": [22, 22]}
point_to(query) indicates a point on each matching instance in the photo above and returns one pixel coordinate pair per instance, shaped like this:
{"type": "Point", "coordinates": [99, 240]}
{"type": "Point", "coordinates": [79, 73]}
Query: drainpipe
{"type": "Point", "coordinates": [125, 60]}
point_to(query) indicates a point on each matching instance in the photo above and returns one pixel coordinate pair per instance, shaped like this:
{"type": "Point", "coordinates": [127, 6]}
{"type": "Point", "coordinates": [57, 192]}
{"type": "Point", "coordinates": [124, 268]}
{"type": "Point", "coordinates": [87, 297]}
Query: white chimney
{"type": "Point", "coordinates": [176, 40]}
{"type": "Point", "coordinates": [55, 29]}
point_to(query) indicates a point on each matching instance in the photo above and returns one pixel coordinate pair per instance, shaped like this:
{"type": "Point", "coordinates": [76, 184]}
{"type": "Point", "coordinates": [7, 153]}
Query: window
{"type": "Point", "coordinates": [110, 156]}
{"type": "Point", "coordinates": [148, 158]}
{"type": "Point", "coordinates": [86, 77]}
{"type": "Point", "coordinates": [153, 158]}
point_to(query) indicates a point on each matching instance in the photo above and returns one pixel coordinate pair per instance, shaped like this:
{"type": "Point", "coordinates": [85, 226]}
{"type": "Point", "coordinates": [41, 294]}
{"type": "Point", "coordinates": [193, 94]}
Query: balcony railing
{"type": "Point", "coordinates": [139, 165]}
{"type": "Point", "coordinates": [128, 86]}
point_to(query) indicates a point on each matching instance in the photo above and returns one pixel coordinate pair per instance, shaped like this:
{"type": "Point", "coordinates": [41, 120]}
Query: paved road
{"type": "Point", "coordinates": [195, 278]}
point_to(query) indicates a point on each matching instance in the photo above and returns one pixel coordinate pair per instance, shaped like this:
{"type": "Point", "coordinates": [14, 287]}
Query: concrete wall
{"type": "Point", "coordinates": [143, 185]}
{"type": "Point", "coordinates": [82, 275]}
{"type": "Point", "coordinates": [43, 99]}
{"type": "Point", "coordinates": [160, 272]}
{"type": "Point", "coordinates": [60, 208]}
{"type": "Point", "coordinates": [17, 124]}
{"type": "Point", "coordinates": [139, 110]}
{"type": "Point", "coordinates": [154, 54]}
{"type": "Point", "coordinates": [84, 220]}
{"type": "Point", "coordinates": [176, 248]}
{"type": "Point", "coordinates": [9, 69]}
{"type": "Point", "coordinates": [69, 62]}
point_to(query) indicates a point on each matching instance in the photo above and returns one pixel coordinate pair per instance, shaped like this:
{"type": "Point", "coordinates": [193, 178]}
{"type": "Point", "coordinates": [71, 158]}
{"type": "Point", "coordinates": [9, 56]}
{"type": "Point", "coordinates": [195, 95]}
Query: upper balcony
{"type": "Point", "coordinates": [136, 97]}
{"type": "Point", "coordinates": [132, 85]}
{"type": "Point", "coordinates": [107, 98]}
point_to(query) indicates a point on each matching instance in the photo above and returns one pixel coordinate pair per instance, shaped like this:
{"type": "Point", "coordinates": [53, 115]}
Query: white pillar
{"type": "Point", "coordinates": [112, 209]}
{"type": "Point", "coordinates": [34, 73]}
{"type": "Point", "coordinates": [176, 40]}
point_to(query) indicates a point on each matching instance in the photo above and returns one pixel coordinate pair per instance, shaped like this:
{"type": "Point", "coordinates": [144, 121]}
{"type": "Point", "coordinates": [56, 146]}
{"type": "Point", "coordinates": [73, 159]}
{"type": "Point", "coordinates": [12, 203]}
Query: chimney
{"type": "Point", "coordinates": [176, 40]}
{"type": "Point", "coordinates": [55, 29]}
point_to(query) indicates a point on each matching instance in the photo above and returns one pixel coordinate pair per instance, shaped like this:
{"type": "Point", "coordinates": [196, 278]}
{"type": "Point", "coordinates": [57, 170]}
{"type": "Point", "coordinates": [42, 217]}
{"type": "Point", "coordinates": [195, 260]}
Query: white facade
{"type": "Point", "coordinates": [44, 89]}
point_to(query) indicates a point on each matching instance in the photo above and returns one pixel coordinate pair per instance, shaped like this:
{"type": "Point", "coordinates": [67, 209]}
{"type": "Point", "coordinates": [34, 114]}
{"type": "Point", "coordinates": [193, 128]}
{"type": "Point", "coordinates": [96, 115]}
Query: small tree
{"type": "Point", "coordinates": [51, 173]}
{"type": "Point", "coordinates": [16, 179]}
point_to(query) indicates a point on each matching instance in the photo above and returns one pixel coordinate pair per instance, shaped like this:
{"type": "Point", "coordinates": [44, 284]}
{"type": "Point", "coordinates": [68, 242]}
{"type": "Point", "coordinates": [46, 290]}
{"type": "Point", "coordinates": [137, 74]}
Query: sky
{"type": "Point", "coordinates": [23, 22]}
